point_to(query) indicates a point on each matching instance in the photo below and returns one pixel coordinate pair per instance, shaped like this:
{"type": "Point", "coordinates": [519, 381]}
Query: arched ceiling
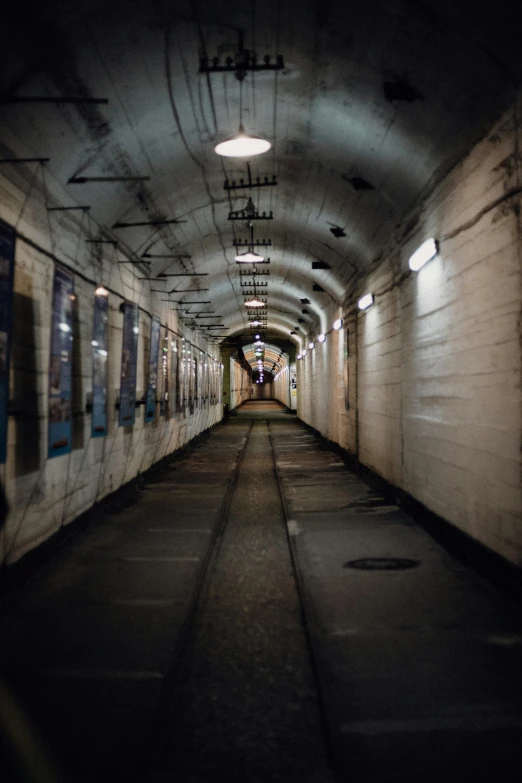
{"type": "Point", "coordinates": [347, 151]}
{"type": "Point", "coordinates": [265, 358]}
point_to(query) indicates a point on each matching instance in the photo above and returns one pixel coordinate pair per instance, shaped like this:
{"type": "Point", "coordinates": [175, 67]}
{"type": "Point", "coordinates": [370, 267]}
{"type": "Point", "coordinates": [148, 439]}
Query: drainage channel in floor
{"type": "Point", "coordinates": [245, 706]}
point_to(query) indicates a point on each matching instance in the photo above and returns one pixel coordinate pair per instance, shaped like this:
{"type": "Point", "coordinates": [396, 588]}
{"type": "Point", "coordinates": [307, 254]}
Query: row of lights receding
{"type": "Point", "coordinates": [322, 338]}
{"type": "Point", "coordinates": [422, 255]}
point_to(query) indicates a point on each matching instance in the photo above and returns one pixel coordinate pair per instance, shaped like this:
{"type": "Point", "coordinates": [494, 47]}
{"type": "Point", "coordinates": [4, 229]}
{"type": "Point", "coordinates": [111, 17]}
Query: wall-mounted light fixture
{"type": "Point", "coordinates": [311, 345]}
{"type": "Point", "coordinates": [423, 254]}
{"type": "Point", "coordinates": [365, 302]}
{"type": "Point", "coordinates": [337, 324]}
{"type": "Point", "coordinates": [101, 291]}
{"type": "Point", "coordinates": [322, 338]}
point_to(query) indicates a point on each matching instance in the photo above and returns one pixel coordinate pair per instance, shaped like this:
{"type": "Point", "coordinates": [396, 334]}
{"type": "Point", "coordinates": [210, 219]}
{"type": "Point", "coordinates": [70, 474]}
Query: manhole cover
{"type": "Point", "coordinates": [382, 564]}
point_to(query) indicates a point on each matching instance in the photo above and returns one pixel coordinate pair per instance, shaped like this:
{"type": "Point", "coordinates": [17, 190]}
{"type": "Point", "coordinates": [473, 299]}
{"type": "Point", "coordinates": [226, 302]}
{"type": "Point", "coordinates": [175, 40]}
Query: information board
{"type": "Point", "coordinates": [150, 405]}
{"type": "Point", "coordinates": [99, 363]}
{"type": "Point", "coordinates": [7, 256]}
{"type": "Point", "coordinates": [129, 359]}
{"type": "Point", "coordinates": [60, 365]}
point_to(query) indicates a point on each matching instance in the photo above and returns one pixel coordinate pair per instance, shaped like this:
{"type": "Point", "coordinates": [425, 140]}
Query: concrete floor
{"type": "Point", "coordinates": [126, 664]}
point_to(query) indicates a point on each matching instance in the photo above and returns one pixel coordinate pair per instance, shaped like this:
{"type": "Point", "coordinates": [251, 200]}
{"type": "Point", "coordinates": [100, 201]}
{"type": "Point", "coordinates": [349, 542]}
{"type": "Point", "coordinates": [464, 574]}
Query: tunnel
{"type": "Point", "coordinates": [260, 391]}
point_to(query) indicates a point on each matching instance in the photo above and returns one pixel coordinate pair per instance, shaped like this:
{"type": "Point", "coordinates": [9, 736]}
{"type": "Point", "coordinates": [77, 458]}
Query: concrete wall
{"type": "Point", "coordinates": [45, 494]}
{"type": "Point", "coordinates": [434, 366]}
{"type": "Point", "coordinates": [263, 391]}
{"type": "Point", "coordinates": [283, 388]}
{"type": "Point", "coordinates": [240, 384]}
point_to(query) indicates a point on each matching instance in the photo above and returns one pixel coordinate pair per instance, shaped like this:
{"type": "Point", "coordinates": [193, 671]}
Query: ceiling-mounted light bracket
{"type": "Point", "coordinates": [250, 213]}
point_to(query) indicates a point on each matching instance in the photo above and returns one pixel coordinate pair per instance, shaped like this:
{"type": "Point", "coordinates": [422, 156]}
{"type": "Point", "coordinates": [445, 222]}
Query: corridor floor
{"type": "Point", "coordinates": [259, 613]}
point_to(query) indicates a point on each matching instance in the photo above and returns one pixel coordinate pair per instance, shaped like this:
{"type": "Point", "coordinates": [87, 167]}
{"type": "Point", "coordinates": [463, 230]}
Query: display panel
{"type": "Point", "coordinates": [191, 379]}
{"type": "Point", "coordinates": [60, 366]}
{"type": "Point", "coordinates": [152, 384]}
{"type": "Point", "coordinates": [174, 376]}
{"type": "Point", "coordinates": [99, 364]}
{"type": "Point", "coordinates": [182, 377]}
{"type": "Point", "coordinates": [346, 370]}
{"type": "Point", "coordinates": [129, 360]}
{"type": "Point", "coordinates": [164, 370]}
{"type": "Point", "coordinates": [7, 257]}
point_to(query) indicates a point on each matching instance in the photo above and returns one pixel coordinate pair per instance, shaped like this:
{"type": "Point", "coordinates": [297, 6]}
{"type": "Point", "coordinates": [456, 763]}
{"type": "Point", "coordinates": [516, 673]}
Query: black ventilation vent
{"type": "Point", "coordinates": [358, 183]}
{"type": "Point", "coordinates": [320, 265]}
{"type": "Point", "coordinates": [317, 287]}
{"type": "Point", "coordinates": [401, 91]}
{"type": "Point", "coordinates": [305, 301]}
{"type": "Point", "coordinates": [338, 232]}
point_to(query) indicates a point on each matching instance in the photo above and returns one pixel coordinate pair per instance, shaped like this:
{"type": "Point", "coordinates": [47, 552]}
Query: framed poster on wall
{"type": "Point", "coordinates": [191, 379]}
{"type": "Point", "coordinates": [99, 363]}
{"type": "Point", "coordinates": [129, 361]}
{"type": "Point", "coordinates": [7, 260]}
{"type": "Point", "coordinates": [60, 364]}
{"type": "Point", "coordinates": [164, 374]}
{"type": "Point", "coordinates": [347, 369]}
{"type": "Point", "coordinates": [174, 376]}
{"type": "Point", "coordinates": [182, 374]}
{"type": "Point", "coordinates": [152, 383]}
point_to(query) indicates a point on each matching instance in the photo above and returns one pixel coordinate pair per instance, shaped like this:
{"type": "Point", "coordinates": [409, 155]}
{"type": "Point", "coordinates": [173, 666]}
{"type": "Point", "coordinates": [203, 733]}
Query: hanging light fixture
{"type": "Point", "coordinates": [249, 257]}
{"type": "Point", "coordinates": [242, 146]}
{"type": "Point", "coordinates": [254, 303]}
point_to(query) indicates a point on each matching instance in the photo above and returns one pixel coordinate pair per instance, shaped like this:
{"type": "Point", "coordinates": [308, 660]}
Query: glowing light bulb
{"type": "Point", "coordinates": [322, 338]}
{"type": "Point", "coordinates": [337, 324]}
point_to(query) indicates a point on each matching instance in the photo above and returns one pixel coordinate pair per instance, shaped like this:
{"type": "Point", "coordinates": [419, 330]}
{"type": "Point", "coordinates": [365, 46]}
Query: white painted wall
{"type": "Point", "coordinates": [45, 494]}
{"type": "Point", "coordinates": [435, 363]}
{"type": "Point", "coordinates": [240, 384]}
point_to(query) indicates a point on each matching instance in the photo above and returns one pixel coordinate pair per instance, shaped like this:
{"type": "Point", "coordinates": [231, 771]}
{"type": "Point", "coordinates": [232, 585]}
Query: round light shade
{"type": "Point", "coordinates": [311, 346]}
{"type": "Point", "coordinates": [101, 291]}
{"type": "Point", "coordinates": [322, 338]}
{"type": "Point", "coordinates": [254, 303]}
{"type": "Point", "coordinates": [242, 146]}
{"type": "Point", "coordinates": [249, 258]}
{"type": "Point", "coordinates": [337, 324]}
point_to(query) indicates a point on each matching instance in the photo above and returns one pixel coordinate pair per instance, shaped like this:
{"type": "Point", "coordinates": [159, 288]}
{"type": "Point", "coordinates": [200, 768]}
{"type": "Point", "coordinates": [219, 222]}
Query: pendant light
{"type": "Point", "coordinates": [242, 145]}
{"type": "Point", "coordinates": [250, 256]}
{"type": "Point", "coordinates": [254, 303]}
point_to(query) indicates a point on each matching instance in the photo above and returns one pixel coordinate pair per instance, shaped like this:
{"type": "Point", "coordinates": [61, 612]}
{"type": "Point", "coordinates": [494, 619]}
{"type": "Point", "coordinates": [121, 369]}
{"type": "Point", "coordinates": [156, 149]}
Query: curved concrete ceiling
{"type": "Point", "coordinates": [376, 99]}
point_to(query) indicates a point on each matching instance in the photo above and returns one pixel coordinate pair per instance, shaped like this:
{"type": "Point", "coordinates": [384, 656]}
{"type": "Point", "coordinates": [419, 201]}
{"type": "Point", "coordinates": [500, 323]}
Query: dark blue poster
{"type": "Point", "coordinates": [7, 253]}
{"type": "Point", "coordinates": [129, 357]}
{"type": "Point", "coordinates": [164, 389]}
{"type": "Point", "coordinates": [99, 363]}
{"type": "Point", "coordinates": [150, 405]}
{"type": "Point", "coordinates": [60, 368]}
{"type": "Point", "coordinates": [174, 376]}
